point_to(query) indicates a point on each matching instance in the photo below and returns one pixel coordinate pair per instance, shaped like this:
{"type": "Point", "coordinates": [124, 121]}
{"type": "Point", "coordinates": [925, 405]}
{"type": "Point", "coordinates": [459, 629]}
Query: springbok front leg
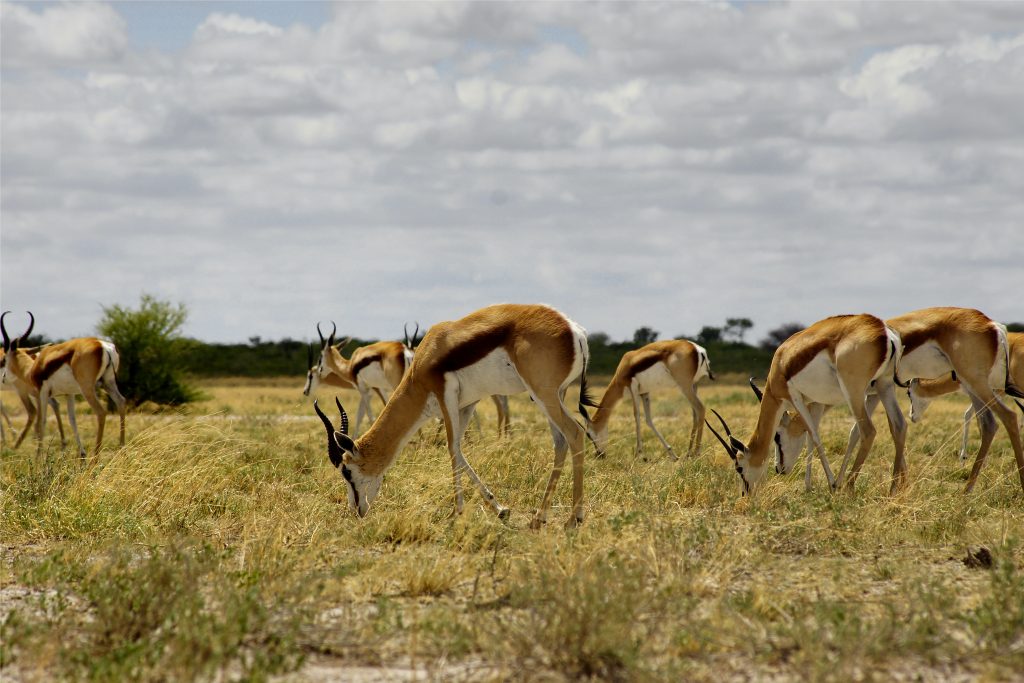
{"type": "Point", "coordinates": [456, 420]}
{"type": "Point", "coordinates": [797, 400]}
{"type": "Point", "coordinates": [646, 399]}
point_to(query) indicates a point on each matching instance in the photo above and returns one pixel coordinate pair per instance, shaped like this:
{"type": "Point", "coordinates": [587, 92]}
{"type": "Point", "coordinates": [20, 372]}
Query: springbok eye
{"type": "Point", "coordinates": [739, 468]}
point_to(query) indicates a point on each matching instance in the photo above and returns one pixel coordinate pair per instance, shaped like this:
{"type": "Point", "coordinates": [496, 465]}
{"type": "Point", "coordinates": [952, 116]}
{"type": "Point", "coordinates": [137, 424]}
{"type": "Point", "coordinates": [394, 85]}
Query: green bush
{"type": "Point", "coordinates": [150, 347]}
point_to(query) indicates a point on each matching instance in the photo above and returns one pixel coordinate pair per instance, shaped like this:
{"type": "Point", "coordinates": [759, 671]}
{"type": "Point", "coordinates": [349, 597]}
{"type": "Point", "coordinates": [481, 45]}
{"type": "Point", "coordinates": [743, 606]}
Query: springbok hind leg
{"type": "Point", "coordinates": [561, 448]}
{"type": "Point", "coordinates": [1009, 419]}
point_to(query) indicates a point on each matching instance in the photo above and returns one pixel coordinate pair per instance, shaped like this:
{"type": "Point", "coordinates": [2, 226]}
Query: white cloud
{"type": "Point", "coordinates": [635, 164]}
{"type": "Point", "coordinates": [71, 34]}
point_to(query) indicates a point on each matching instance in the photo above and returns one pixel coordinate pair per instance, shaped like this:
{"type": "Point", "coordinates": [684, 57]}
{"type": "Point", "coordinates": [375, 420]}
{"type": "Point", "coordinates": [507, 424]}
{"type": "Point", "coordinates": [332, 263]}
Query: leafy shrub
{"type": "Point", "coordinates": [149, 345]}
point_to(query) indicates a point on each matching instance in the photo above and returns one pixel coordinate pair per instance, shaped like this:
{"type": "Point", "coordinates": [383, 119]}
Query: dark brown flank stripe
{"type": "Point", "coordinates": [800, 359]}
{"type": "Point", "coordinates": [915, 338]}
{"type": "Point", "coordinates": [648, 361]}
{"type": "Point", "coordinates": [51, 364]}
{"type": "Point", "coordinates": [363, 362]}
{"type": "Point", "coordinates": [473, 349]}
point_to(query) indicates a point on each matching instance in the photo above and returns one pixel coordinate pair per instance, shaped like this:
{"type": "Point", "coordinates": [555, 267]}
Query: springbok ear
{"type": "Point", "coordinates": [344, 442]}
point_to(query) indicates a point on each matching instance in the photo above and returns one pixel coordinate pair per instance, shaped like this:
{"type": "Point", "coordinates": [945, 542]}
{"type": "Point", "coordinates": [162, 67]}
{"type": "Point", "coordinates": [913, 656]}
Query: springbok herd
{"type": "Point", "coordinates": [854, 360]}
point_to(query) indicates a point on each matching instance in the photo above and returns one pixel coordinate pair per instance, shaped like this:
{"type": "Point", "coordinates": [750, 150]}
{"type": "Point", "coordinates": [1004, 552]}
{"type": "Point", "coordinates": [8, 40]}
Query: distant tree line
{"type": "Point", "coordinates": [155, 358]}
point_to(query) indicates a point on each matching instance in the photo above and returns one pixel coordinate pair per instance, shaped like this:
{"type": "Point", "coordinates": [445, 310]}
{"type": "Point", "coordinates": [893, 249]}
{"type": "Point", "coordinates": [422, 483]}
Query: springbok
{"type": "Point", "coordinates": [500, 402]}
{"type": "Point", "coordinates": [376, 367]}
{"type": "Point", "coordinates": [372, 369]}
{"type": "Point", "coordinates": [666, 364]}
{"type": "Point", "coordinates": [502, 349]}
{"type": "Point", "coordinates": [944, 341]}
{"type": "Point", "coordinates": [836, 360]}
{"type": "Point", "coordinates": [26, 394]}
{"type": "Point", "coordinates": [67, 369]}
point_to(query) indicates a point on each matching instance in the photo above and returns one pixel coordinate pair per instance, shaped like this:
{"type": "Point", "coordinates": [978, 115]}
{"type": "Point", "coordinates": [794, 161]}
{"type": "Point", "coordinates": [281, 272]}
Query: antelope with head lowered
{"type": "Point", "coordinates": [376, 368]}
{"type": "Point", "coordinates": [667, 364]}
{"type": "Point", "coordinates": [946, 341]}
{"type": "Point", "coordinates": [502, 349]}
{"type": "Point", "coordinates": [923, 391]}
{"type": "Point", "coordinates": [67, 369]}
{"type": "Point", "coordinates": [836, 360]}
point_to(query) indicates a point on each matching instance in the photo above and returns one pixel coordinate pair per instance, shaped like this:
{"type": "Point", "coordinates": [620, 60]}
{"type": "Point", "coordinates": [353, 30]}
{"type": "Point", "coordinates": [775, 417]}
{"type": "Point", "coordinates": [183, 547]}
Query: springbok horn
{"type": "Point", "coordinates": [722, 420]}
{"type": "Point", "coordinates": [344, 416]}
{"type": "Point", "coordinates": [320, 333]}
{"type": "Point", "coordinates": [757, 392]}
{"type": "Point", "coordinates": [728, 448]}
{"type": "Point", "coordinates": [31, 324]}
{"type": "Point", "coordinates": [405, 335]}
{"type": "Point", "coordinates": [3, 330]}
{"type": "Point", "coordinates": [333, 449]}
{"type": "Point", "coordinates": [334, 330]}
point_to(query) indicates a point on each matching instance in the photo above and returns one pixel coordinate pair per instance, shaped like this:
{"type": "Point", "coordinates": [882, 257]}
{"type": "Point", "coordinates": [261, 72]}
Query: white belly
{"type": "Point", "coordinates": [925, 362]}
{"type": "Point", "coordinates": [492, 374]}
{"type": "Point", "coordinates": [654, 378]}
{"type": "Point", "coordinates": [62, 382]}
{"type": "Point", "coordinates": [818, 382]}
{"type": "Point", "coordinates": [372, 377]}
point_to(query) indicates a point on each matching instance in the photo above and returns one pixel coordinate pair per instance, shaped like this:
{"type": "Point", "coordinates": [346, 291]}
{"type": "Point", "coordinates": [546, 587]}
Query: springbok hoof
{"type": "Point", "coordinates": [503, 514]}
{"type": "Point", "coordinates": [574, 522]}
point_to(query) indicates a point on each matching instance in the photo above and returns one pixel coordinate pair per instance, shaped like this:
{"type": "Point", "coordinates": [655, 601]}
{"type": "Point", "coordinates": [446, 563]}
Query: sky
{"type": "Point", "coordinates": [274, 164]}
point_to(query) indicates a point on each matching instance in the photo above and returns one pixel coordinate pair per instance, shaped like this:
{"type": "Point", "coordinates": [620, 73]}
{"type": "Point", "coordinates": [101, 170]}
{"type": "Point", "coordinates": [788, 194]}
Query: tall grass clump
{"type": "Point", "coordinates": [155, 614]}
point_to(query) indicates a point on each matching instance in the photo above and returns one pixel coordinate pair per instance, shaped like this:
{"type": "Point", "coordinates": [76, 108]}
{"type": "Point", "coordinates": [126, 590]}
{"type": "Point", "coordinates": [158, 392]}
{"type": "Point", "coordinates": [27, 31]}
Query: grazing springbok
{"type": "Point", "coordinates": [502, 349]}
{"type": "Point", "coordinates": [372, 369]}
{"type": "Point", "coordinates": [67, 369]}
{"type": "Point", "coordinates": [941, 342]}
{"type": "Point", "coordinates": [500, 402]}
{"type": "Point", "coordinates": [672, 364]}
{"type": "Point", "coordinates": [834, 361]}
{"type": "Point", "coordinates": [26, 394]}
{"type": "Point", "coordinates": [376, 368]}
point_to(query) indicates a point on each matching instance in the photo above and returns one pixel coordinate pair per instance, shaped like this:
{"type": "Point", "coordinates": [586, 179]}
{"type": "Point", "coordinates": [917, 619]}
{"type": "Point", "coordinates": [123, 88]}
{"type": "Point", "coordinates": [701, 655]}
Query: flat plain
{"type": "Point", "coordinates": [218, 545]}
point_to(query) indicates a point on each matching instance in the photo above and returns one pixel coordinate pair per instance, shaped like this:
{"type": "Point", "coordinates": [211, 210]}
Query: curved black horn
{"type": "Point", "coordinates": [722, 420]}
{"type": "Point", "coordinates": [23, 339]}
{"type": "Point", "coordinates": [757, 392]}
{"type": "Point", "coordinates": [323, 418]}
{"type": "Point", "coordinates": [320, 333]}
{"type": "Point", "coordinates": [344, 416]}
{"type": "Point", "coordinates": [333, 449]}
{"type": "Point", "coordinates": [3, 330]}
{"type": "Point", "coordinates": [334, 330]}
{"type": "Point", "coordinates": [728, 448]}
{"type": "Point", "coordinates": [405, 335]}
{"type": "Point", "coordinates": [415, 335]}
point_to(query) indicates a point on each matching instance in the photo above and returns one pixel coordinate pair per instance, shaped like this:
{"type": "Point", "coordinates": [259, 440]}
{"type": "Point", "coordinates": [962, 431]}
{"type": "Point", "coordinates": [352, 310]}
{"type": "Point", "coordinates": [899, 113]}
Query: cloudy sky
{"type": "Point", "coordinates": [275, 164]}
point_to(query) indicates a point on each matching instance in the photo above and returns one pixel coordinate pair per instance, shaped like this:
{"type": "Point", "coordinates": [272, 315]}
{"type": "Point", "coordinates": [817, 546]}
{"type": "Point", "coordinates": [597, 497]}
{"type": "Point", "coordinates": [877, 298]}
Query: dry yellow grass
{"type": "Point", "coordinates": [228, 526]}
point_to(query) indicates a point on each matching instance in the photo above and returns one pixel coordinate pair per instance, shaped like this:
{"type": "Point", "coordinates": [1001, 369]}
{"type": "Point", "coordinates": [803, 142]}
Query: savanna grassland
{"type": "Point", "coordinates": [218, 545]}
